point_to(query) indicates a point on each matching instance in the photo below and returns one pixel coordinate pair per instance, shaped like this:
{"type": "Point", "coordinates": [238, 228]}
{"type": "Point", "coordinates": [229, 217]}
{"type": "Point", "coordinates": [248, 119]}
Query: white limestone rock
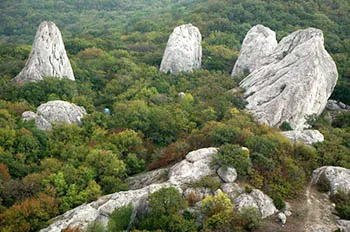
{"type": "Point", "coordinates": [196, 166]}
{"type": "Point", "coordinates": [282, 217]}
{"type": "Point", "coordinates": [184, 51]}
{"type": "Point", "coordinates": [305, 136]}
{"type": "Point", "coordinates": [28, 116]}
{"type": "Point", "coordinates": [338, 177]}
{"type": "Point", "coordinates": [295, 81]}
{"type": "Point", "coordinates": [148, 178]}
{"type": "Point", "coordinates": [256, 199]}
{"type": "Point", "coordinates": [99, 210]}
{"type": "Point", "coordinates": [48, 57]}
{"type": "Point", "coordinates": [54, 112]}
{"type": "Point", "coordinates": [259, 42]}
{"type": "Point", "coordinates": [343, 225]}
{"type": "Point", "coordinates": [232, 190]}
{"type": "Point", "coordinates": [227, 174]}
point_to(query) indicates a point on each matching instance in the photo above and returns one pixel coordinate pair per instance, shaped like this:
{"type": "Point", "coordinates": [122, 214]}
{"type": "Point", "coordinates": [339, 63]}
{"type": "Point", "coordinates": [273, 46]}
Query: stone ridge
{"type": "Point", "coordinates": [48, 57]}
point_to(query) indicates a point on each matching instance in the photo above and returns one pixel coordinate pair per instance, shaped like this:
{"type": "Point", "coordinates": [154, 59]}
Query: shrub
{"type": "Point", "coordinates": [165, 205]}
{"type": "Point", "coordinates": [278, 201]}
{"type": "Point", "coordinates": [120, 218]}
{"type": "Point", "coordinates": [234, 156]}
{"type": "Point", "coordinates": [211, 182]}
{"type": "Point", "coordinates": [342, 201]}
{"type": "Point", "coordinates": [323, 184]}
{"type": "Point", "coordinates": [285, 126]}
{"type": "Point", "coordinates": [95, 227]}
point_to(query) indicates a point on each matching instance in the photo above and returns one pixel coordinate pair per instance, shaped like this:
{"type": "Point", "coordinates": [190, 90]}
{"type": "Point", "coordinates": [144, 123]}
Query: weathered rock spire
{"type": "Point", "coordinates": [48, 57]}
{"type": "Point", "coordinates": [184, 51]}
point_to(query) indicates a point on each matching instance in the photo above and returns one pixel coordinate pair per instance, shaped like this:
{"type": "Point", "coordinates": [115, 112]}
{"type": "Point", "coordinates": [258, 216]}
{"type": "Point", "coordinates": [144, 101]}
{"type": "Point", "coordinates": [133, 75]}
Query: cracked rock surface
{"type": "Point", "coordinates": [183, 52]}
{"type": "Point", "coordinates": [48, 57]}
{"type": "Point", "coordinates": [293, 82]}
{"type": "Point", "coordinates": [259, 42]}
{"type": "Point", "coordinates": [54, 112]}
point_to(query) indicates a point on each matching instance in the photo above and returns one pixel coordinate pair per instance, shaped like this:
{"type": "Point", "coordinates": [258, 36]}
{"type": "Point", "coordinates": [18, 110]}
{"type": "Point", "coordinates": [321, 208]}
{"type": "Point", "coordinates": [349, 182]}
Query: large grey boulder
{"type": "Point", "coordinates": [184, 51]}
{"type": "Point", "coordinates": [54, 112]}
{"type": "Point", "coordinates": [256, 199]}
{"type": "Point", "coordinates": [294, 82]}
{"type": "Point", "coordinates": [259, 43]}
{"type": "Point", "coordinates": [227, 174]}
{"type": "Point", "coordinates": [196, 166]}
{"type": "Point", "coordinates": [48, 57]}
{"type": "Point", "coordinates": [305, 136]}
{"type": "Point", "coordinates": [338, 177]}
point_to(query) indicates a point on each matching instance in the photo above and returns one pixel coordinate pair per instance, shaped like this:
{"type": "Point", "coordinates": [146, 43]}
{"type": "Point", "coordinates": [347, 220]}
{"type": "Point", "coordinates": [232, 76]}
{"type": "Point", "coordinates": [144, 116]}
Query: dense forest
{"type": "Point", "coordinates": [115, 48]}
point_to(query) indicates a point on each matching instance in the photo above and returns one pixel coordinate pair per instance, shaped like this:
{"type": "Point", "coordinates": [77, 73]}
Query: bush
{"type": "Point", "coordinates": [165, 205]}
{"type": "Point", "coordinates": [95, 227]}
{"type": "Point", "coordinates": [285, 126]}
{"type": "Point", "coordinates": [323, 184]}
{"type": "Point", "coordinates": [120, 218]}
{"type": "Point", "coordinates": [211, 182]}
{"type": "Point", "coordinates": [234, 156]}
{"type": "Point", "coordinates": [342, 201]}
{"type": "Point", "coordinates": [278, 201]}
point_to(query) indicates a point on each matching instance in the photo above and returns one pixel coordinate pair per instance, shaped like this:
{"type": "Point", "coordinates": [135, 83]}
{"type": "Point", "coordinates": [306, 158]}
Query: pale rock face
{"type": "Point", "coordinates": [259, 43]}
{"type": "Point", "coordinates": [184, 51]}
{"type": "Point", "coordinates": [256, 199]}
{"type": "Point", "coordinates": [227, 174]}
{"type": "Point", "coordinates": [344, 225]}
{"type": "Point", "coordinates": [338, 177]}
{"type": "Point", "coordinates": [295, 81]}
{"type": "Point", "coordinates": [305, 136]}
{"type": "Point", "coordinates": [148, 178]}
{"type": "Point", "coordinates": [232, 190]}
{"type": "Point", "coordinates": [100, 209]}
{"type": "Point", "coordinates": [196, 166]}
{"type": "Point", "coordinates": [28, 116]}
{"type": "Point", "coordinates": [48, 56]}
{"type": "Point", "coordinates": [282, 217]}
{"type": "Point", "coordinates": [54, 112]}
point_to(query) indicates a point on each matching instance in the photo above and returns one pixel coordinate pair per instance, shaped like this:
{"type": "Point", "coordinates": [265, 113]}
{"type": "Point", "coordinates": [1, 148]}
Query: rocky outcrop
{"type": "Point", "coordinates": [259, 43]}
{"type": "Point", "coordinates": [100, 209]}
{"type": "Point", "coordinates": [184, 51]}
{"type": "Point", "coordinates": [334, 105]}
{"type": "Point", "coordinates": [227, 174]}
{"type": "Point", "coordinates": [305, 136]}
{"type": "Point", "coordinates": [344, 225]}
{"type": "Point", "coordinates": [48, 57]}
{"type": "Point", "coordinates": [256, 199]}
{"type": "Point", "coordinates": [54, 112]}
{"type": "Point", "coordinates": [338, 177]}
{"type": "Point", "coordinates": [293, 82]}
{"type": "Point", "coordinates": [148, 178]}
{"type": "Point", "coordinates": [334, 108]}
{"type": "Point", "coordinates": [196, 166]}
{"type": "Point", "coordinates": [183, 175]}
